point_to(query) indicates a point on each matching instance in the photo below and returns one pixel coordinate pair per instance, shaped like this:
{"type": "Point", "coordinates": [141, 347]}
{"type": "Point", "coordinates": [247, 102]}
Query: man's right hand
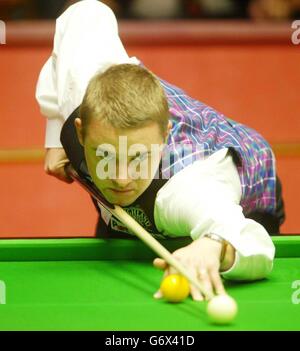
{"type": "Point", "coordinates": [55, 161]}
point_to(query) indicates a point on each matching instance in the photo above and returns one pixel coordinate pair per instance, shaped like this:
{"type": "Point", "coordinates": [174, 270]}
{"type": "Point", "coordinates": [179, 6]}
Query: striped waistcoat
{"type": "Point", "coordinates": [200, 127]}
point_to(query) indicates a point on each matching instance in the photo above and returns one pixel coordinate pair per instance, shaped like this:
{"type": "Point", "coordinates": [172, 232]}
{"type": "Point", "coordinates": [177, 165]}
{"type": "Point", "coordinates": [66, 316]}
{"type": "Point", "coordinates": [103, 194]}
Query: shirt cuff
{"type": "Point", "coordinates": [53, 129]}
{"type": "Point", "coordinates": [249, 268]}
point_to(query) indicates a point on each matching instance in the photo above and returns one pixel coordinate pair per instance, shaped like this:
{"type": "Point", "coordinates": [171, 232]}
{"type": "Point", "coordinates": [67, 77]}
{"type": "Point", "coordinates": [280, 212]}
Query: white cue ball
{"type": "Point", "coordinates": [222, 309]}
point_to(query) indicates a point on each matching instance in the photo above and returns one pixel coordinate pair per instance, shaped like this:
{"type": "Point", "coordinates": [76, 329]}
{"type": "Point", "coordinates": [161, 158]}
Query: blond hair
{"type": "Point", "coordinates": [125, 96]}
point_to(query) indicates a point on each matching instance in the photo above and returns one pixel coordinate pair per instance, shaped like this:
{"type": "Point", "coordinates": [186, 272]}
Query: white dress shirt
{"type": "Point", "coordinates": [202, 198]}
{"type": "Point", "coordinates": [86, 41]}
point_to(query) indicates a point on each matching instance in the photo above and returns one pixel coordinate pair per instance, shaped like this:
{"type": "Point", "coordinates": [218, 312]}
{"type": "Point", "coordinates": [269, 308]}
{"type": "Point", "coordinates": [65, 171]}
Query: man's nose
{"type": "Point", "coordinates": [121, 183]}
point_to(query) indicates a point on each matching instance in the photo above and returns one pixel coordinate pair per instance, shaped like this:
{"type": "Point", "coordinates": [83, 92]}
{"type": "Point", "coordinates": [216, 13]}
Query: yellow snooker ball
{"type": "Point", "coordinates": [175, 288]}
{"type": "Point", "coordinates": [222, 309]}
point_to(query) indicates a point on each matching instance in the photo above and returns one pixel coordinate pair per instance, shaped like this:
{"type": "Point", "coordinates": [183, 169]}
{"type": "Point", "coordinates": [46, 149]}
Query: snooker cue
{"type": "Point", "coordinates": [138, 230]}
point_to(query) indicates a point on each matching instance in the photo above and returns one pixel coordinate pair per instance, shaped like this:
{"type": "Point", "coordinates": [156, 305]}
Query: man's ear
{"type": "Point", "coordinates": [78, 126]}
{"type": "Point", "coordinates": [169, 127]}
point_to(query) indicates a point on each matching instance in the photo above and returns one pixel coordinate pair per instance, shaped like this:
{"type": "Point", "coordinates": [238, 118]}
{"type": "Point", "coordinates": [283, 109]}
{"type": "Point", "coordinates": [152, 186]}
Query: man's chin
{"type": "Point", "coordinates": [123, 202]}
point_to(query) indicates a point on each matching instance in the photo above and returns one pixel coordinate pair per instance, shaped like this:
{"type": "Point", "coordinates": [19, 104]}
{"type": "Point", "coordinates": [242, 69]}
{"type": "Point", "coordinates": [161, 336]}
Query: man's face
{"type": "Point", "coordinates": [122, 162]}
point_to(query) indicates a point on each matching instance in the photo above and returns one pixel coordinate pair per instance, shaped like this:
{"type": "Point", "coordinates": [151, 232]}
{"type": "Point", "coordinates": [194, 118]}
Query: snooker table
{"type": "Point", "coordinates": [96, 284]}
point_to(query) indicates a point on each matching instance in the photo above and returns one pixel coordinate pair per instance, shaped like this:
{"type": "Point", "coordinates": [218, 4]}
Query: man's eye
{"type": "Point", "coordinates": [142, 157]}
{"type": "Point", "coordinates": [106, 155]}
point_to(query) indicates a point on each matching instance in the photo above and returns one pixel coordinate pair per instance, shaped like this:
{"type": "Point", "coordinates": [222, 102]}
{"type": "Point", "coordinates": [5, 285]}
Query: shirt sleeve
{"type": "Point", "coordinates": [209, 203]}
{"type": "Point", "coordinates": [86, 41]}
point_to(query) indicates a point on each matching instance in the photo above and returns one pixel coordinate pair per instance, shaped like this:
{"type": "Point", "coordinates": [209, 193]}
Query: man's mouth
{"type": "Point", "coordinates": [121, 191]}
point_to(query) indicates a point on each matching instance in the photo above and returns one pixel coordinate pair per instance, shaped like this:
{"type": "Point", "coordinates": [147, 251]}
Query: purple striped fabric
{"type": "Point", "coordinates": [198, 131]}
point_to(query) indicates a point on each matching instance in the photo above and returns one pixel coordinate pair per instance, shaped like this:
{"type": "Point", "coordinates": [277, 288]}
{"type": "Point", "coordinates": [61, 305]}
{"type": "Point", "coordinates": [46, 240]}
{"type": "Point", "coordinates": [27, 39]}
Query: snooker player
{"type": "Point", "coordinates": [207, 177]}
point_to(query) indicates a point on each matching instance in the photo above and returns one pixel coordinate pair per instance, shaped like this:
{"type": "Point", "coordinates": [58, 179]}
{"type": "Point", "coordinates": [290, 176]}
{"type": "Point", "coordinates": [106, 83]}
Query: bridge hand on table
{"type": "Point", "coordinates": [202, 259]}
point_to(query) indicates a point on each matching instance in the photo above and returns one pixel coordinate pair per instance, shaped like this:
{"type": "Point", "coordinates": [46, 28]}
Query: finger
{"type": "Point", "coordinates": [62, 175]}
{"type": "Point", "coordinates": [172, 270]}
{"type": "Point", "coordinates": [160, 263]}
{"type": "Point", "coordinates": [204, 279]}
{"type": "Point", "coordinates": [63, 162]}
{"type": "Point", "coordinates": [217, 282]}
{"type": "Point", "coordinates": [61, 171]}
{"type": "Point", "coordinates": [195, 293]}
{"type": "Point", "coordinates": [158, 294]}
